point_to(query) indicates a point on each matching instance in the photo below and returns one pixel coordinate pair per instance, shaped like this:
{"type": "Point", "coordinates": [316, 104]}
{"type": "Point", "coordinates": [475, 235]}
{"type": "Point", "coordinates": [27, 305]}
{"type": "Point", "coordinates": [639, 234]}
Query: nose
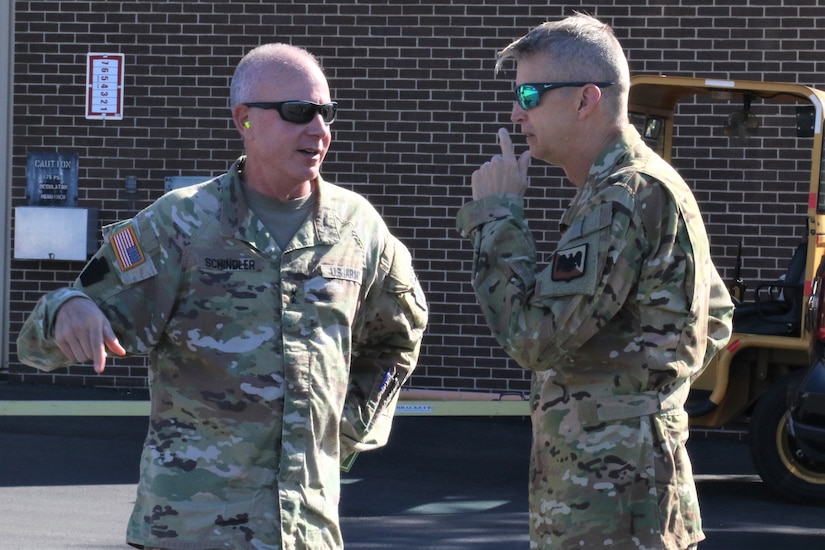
{"type": "Point", "coordinates": [517, 114]}
{"type": "Point", "coordinates": [317, 126]}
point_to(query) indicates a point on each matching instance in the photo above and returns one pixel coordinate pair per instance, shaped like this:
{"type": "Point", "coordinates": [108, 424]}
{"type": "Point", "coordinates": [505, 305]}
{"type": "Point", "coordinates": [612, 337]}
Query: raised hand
{"type": "Point", "coordinates": [503, 173]}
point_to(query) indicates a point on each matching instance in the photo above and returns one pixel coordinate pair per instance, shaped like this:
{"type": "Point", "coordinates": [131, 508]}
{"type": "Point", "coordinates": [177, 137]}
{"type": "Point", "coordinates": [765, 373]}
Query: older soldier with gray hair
{"type": "Point", "coordinates": [628, 310]}
{"type": "Point", "coordinates": [280, 317]}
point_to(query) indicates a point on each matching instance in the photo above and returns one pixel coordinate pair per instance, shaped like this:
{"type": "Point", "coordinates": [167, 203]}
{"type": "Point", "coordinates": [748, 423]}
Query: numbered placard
{"type": "Point", "coordinates": [104, 86]}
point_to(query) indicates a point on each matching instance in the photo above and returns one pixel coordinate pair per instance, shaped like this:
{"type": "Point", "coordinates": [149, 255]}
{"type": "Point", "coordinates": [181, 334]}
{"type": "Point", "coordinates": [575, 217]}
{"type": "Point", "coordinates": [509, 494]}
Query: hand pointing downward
{"type": "Point", "coordinates": [83, 333]}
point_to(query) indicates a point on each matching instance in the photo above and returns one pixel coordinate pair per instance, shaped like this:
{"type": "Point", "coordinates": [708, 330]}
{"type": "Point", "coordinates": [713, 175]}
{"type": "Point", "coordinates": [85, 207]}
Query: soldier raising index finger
{"type": "Point", "coordinates": [504, 173]}
{"type": "Point", "coordinates": [628, 308]}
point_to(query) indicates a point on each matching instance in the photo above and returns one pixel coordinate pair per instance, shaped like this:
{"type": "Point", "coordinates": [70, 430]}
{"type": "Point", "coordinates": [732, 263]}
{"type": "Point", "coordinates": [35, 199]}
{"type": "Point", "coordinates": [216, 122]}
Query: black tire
{"type": "Point", "coordinates": [777, 459]}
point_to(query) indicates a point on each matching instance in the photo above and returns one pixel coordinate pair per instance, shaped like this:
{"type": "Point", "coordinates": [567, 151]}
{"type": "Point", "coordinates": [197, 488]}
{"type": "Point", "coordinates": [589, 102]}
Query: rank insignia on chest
{"type": "Point", "coordinates": [569, 264]}
{"type": "Point", "coordinates": [127, 249]}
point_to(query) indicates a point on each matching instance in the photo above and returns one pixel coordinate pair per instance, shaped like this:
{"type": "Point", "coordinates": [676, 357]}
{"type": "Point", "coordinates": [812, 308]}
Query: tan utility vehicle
{"type": "Point", "coordinates": [752, 151]}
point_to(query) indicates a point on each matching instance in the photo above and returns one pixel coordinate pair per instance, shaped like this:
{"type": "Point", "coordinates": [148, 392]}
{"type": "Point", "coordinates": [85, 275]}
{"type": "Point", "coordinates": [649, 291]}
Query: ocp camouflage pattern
{"type": "Point", "coordinates": [628, 310]}
{"type": "Point", "coordinates": [267, 367]}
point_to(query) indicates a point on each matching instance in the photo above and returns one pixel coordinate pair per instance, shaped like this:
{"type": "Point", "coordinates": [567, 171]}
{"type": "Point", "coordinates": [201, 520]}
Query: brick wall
{"type": "Point", "coordinates": [420, 105]}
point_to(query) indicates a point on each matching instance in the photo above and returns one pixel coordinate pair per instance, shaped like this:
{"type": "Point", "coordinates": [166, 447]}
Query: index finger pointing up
{"type": "Point", "coordinates": [506, 144]}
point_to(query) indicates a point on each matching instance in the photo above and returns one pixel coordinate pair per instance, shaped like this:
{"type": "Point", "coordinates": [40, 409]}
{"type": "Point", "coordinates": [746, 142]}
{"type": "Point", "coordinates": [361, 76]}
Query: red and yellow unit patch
{"type": "Point", "coordinates": [127, 249]}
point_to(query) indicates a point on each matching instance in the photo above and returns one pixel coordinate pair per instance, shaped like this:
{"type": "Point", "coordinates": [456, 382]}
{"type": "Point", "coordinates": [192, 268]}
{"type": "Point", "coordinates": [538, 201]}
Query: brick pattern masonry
{"type": "Point", "coordinates": [420, 105]}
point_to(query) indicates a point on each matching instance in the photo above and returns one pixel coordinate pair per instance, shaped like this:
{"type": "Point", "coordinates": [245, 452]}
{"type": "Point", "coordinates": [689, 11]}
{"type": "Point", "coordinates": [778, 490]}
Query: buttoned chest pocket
{"type": "Point", "coordinates": [227, 311]}
{"type": "Point", "coordinates": [333, 291]}
{"type": "Point", "coordinates": [321, 292]}
{"type": "Point", "coordinates": [230, 288]}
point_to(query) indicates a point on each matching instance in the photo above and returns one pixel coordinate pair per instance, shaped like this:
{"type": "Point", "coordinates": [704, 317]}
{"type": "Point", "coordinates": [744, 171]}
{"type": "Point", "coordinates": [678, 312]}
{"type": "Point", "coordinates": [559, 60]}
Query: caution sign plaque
{"type": "Point", "coordinates": [51, 178]}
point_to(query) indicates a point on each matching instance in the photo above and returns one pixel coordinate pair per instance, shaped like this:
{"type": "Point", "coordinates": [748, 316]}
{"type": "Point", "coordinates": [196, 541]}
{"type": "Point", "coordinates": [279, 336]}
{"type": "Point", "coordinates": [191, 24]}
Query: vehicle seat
{"type": "Point", "coordinates": [777, 305]}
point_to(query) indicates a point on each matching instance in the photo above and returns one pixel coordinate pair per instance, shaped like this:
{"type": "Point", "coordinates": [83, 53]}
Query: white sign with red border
{"type": "Point", "coordinates": [104, 86]}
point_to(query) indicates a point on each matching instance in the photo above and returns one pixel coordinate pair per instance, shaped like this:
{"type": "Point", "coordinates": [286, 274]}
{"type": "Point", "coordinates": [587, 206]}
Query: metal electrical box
{"type": "Point", "coordinates": [49, 233]}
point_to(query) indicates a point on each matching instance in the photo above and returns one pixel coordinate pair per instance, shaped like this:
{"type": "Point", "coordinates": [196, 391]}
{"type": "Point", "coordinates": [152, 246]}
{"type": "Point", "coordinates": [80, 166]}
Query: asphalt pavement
{"type": "Point", "coordinates": [443, 483]}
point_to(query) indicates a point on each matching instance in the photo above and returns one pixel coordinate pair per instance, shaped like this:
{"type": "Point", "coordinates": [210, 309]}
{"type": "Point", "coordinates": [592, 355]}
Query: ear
{"type": "Point", "coordinates": [240, 114]}
{"type": "Point", "coordinates": [589, 98]}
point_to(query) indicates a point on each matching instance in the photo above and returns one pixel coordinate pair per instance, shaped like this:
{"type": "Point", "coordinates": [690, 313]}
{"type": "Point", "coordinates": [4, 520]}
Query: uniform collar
{"type": "Point", "coordinates": [613, 154]}
{"type": "Point", "coordinates": [238, 221]}
{"type": "Point", "coordinates": [607, 162]}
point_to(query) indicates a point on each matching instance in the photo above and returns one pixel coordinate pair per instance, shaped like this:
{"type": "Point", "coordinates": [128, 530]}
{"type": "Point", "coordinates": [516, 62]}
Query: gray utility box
{"type": "Point", "coordinates": [55, 233]}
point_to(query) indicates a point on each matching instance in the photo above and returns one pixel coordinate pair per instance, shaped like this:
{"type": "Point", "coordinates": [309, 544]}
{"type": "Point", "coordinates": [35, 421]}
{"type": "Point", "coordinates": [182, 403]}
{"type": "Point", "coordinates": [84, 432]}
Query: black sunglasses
{"type": "Point", "coordinates": [299, 112]}
{"type": "Point", "coordinates": [529, 95]}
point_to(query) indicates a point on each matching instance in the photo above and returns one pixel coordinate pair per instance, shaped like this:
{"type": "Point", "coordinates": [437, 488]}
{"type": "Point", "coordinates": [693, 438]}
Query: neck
{"type": "Point", "coordinates": [273, 186]}
{"type": "Point", "coordinates": [579, 168]}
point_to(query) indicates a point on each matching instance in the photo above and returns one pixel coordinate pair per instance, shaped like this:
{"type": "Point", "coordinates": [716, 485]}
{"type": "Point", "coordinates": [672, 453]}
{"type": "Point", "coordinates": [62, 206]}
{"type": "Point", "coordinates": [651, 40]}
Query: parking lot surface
{"type": "Point", "coordinates": [443, 483]}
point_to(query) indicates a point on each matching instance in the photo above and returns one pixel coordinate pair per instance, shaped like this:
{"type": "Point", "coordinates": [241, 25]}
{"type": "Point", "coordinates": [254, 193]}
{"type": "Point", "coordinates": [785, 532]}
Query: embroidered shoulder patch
{"type": "Point", "coordinates": [569, 264]}
{"type": "Point", "coordinates": [127, 249]}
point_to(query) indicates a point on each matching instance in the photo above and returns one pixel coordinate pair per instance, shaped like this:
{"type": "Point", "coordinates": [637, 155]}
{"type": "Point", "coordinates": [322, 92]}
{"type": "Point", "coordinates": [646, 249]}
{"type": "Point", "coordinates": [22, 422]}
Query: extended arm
{"type": "Point", "coordinates": [66, 327]}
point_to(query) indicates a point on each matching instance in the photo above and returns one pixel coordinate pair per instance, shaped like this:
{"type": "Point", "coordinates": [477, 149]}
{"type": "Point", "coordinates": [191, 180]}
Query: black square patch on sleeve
{"type": "Point", "coordinates": [94, 271]}
{"type": "Point", "coordinates": [570, 264]}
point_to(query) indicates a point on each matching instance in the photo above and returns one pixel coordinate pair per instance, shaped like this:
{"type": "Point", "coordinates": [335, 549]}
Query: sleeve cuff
{"type": "Point", "coordinates": [57, 299]}
{"type": "Point", "coordinates": [488, 209]}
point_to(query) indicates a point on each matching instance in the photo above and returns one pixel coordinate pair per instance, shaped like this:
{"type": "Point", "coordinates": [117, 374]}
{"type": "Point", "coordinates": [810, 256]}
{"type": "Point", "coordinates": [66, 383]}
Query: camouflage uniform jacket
{"type": "Point", "coordinates": [628, 310]}
{"type": "Point", "coordinates": [267, 367]}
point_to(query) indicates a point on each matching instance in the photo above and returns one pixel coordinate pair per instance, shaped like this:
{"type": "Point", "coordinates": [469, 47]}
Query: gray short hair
{"type": "Point", "coordinates": [257, 60]}
{"type": "Point", "coordinates": [582, 49]}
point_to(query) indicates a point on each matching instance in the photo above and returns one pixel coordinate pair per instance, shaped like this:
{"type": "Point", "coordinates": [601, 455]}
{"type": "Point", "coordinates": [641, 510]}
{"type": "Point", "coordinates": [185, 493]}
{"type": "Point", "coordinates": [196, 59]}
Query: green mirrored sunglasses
{"type": "Point", "coordinates": [529, 95]}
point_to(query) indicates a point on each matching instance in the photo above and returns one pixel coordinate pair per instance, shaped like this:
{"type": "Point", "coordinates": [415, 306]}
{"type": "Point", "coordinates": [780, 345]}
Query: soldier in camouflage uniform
{"type": "Point", "coordinates": [628, 311]}
{"type": "Point", "coordinates": [280, 317]}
